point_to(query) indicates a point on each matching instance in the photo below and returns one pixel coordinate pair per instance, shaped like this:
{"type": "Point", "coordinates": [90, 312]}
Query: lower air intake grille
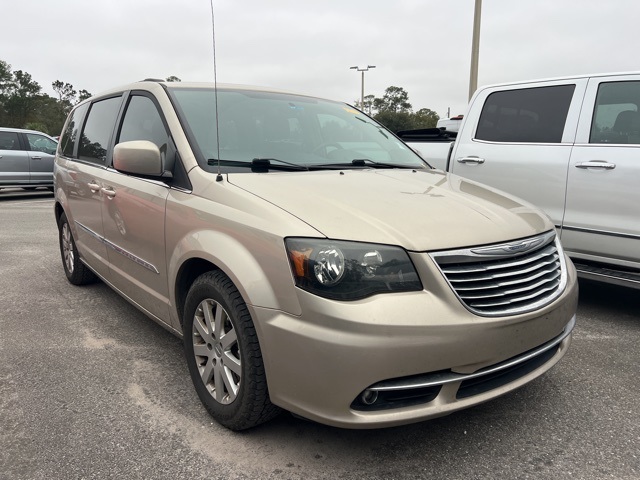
{"type": "Point", "coordinates": [507, 278]}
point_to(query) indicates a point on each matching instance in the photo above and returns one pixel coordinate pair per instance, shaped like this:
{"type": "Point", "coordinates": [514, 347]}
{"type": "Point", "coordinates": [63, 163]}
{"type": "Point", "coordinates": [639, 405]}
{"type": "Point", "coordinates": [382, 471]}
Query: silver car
{"type": "Point", "coordinates": [310, 261]}
{"type": "Point", "coordinates": [26, 158]}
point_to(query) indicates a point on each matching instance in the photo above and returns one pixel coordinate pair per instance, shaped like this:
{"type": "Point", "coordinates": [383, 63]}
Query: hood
{"type": "Point", "coordinates": [419, 210]}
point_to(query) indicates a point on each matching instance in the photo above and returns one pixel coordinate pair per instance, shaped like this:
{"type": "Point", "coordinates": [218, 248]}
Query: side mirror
{"type": "Point", "coordinates": [139, 157]}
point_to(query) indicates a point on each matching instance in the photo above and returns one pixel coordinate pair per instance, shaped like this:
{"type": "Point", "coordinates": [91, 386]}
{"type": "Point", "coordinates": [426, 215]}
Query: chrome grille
{"type": "Point", "coordinates": [507, 278]}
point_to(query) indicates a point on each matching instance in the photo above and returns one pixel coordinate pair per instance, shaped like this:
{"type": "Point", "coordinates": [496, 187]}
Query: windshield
{"type": "Point", "coordinates": [290, 131]}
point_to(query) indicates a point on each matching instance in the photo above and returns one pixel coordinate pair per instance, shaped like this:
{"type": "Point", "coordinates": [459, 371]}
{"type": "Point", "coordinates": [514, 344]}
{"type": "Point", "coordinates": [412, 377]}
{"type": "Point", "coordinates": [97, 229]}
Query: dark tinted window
{"type": "Point", "coordinates": [70, 133]}
{"type": "Point", "coordinates": [9, 141]}
{"type": "Point", "coordinates": [616, 118]}
{"type": "Point", "coordinates": [97, 130]}
{"type": "Point", "coordinates": [532, 115]}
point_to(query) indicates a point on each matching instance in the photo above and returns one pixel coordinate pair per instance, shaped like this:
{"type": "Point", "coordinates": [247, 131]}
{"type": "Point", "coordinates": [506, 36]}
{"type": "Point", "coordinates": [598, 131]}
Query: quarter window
{"type": "Point", "coordinates": [97, 131]}
{"type": "Point", "coordinates": [70, 134]}
{"type": "Point", "coordinates": [616, 117]}
{"type": "Point", "coordinates": [529, 115]}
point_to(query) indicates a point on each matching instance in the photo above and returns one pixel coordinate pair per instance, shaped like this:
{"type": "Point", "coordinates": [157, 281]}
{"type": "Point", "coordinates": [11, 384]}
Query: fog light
{"type": "Point", "coordinates": [369, 397]}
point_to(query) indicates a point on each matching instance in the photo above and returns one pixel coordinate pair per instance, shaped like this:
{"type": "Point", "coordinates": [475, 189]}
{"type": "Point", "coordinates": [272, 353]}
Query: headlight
{"type": "Point", "coordinates": [349, 270]}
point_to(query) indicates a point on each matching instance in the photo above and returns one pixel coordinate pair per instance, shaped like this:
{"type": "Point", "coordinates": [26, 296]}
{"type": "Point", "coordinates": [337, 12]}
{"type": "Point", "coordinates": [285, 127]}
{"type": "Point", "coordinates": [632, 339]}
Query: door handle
{"type": "Point", "coordinates": [601, 164]}
{"type": "Point", "coordinates": [94, 187]}
{"type": "Point", "coordinates": [108, 191]}
{"type": "Point", "coordinates": [470, 160]}
{"type": "Point", "coordinates": [36, 158]}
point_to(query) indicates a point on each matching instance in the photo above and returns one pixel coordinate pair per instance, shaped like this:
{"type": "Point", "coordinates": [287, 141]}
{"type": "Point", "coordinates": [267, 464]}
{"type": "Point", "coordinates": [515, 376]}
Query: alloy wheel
{"type": "Point", "coordinates": [67, 248]}
{"type": "Point", "coordinates": [216, 351]}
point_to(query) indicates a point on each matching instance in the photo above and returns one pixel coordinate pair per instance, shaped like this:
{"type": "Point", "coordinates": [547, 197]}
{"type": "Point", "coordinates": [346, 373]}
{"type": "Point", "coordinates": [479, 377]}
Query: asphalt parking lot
{"type": "Point", "coordinates": [91, 388]}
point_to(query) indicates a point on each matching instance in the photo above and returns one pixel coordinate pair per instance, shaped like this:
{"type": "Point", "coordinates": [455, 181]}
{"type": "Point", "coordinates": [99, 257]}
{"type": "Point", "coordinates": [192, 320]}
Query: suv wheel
{"type": "Point", "coordinates": [77, 272]}
{"type": "Point", "coordinates": [223, 354]}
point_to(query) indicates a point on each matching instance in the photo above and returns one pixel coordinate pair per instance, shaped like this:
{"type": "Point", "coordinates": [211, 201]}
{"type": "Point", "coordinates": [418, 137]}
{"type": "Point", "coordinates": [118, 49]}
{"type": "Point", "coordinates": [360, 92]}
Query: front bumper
{"type": "Point", "coordinates": [319, 364]}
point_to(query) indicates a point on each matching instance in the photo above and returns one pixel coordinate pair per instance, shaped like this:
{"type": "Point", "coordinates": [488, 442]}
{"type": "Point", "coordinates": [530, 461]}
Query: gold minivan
{"type": "Point", "coordinates": [309, 259]}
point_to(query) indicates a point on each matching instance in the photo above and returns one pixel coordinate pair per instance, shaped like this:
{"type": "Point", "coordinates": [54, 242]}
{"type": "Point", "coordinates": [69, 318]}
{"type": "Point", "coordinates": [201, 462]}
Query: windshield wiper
{"type": "Point", "coordinates": [259, 164]}
{"type": "Point", "coordinates": [361, 162]}
{"type": "Point", "coordinates": [266, 163]}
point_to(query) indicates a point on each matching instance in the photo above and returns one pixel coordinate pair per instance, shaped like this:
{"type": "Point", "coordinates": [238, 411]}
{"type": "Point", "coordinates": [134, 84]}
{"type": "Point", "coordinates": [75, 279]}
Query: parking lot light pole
{"type": "Point", "coordinates": [475, 47]}
{"type": "Point", "coordinates": [364, 69]}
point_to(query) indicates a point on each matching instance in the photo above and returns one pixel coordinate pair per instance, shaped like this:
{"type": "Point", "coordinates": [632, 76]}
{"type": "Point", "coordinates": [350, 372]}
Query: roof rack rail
{"type": "Point", "coordinates": [153, 80]}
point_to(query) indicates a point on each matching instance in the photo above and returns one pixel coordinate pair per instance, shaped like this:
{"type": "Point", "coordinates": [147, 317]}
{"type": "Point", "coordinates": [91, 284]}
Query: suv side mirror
{"type": "Point", "coordinates": [139, 157]}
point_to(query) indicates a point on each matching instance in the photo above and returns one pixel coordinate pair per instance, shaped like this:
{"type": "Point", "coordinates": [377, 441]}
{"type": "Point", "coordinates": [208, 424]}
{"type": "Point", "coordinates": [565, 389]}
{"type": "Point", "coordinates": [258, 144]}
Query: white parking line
{"type": "Point", "coordinates": [18, 202]}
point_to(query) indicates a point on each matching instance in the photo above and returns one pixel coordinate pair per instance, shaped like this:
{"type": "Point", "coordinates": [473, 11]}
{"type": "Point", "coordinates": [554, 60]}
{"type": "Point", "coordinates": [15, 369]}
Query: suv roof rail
{"type": "Point", "coordinates": [153, 80]}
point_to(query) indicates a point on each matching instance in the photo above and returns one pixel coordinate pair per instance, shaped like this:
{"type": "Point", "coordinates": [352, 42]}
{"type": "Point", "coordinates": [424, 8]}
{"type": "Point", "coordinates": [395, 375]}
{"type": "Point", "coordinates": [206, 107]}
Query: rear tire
{"type": "Point", "coordinates": [223, 354]}
{"type": "Point", "coordinates": [77, 272]}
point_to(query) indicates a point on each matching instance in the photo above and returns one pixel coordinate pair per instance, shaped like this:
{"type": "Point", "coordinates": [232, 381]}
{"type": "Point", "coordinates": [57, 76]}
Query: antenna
{"type": "Point", "coordinates": [215, 89]}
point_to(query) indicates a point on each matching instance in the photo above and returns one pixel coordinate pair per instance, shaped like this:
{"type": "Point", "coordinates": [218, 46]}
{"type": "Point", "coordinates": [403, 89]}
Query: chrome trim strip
{"type": "Point", "coordinates": [120, 250]}
{"type": "Point", "coordinates": [437, 379]}
{"type": "Point", "coordinates": [490, 252]}
{"type": "Point", "coordinates": [491, 142]}
{"type": "Point", "coordinates": [602, 232]}
{"type": "Point", "coordinates": [632, 145]}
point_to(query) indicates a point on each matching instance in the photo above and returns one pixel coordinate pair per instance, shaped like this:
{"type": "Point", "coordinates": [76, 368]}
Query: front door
{"type": "Point", "coordinates": [133, 214]}
{"type": "Point", "coordinates": [602, 219]}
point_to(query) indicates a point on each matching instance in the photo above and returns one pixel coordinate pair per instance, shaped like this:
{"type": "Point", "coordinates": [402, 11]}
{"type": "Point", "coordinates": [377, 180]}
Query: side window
{"type": "Point", "coordinates": [96, 134]}
{"type": "Point", "coordinates": [142, 121]}
{"type": "Point", "coordinates": [70, 134]}
{"type": "Point", "coordinates": [531, 115]}
{"type": "Point", "coordinates": [616, 117]}
{"type": "Point", "coordinates": [40, 143]}
{"type": "Point", "coordinates": [9, 141]}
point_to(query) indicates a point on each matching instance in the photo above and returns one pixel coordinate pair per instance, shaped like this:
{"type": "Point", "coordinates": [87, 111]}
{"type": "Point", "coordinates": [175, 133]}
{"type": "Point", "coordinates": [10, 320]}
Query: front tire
{"type": "Point", "coordinates": [223, 354]}
{"type": "Point", "coordinates": [77, 272]}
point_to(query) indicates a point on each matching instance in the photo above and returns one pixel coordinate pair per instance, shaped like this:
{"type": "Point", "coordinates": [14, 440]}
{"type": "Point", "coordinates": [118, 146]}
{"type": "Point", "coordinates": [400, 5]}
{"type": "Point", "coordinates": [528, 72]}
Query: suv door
{"type": "Point", "coordinates": [41, 153]}
{"type": "Point", "coordinates": [133, 214]}
{"type": "Point", "coordinates": [14, 161]}
{"type": "Point", "coordinates": [603, 193]}
{"type": "Point", "coordinates": [84, 169]}
{"type": "Point", "coordinates": [520, 141]}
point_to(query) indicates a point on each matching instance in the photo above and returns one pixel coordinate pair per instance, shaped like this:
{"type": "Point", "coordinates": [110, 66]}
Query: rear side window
{"type": "Point", "coordinates": [530, 115]}
{"type": "Point", "coordinates": [70, 134]}
{"type": "Point", "coordinates": [9, 141]}
{"type": "Point", "coordinates": [97, 131]}
{"type": "Point", "coordinates": [616, 117]}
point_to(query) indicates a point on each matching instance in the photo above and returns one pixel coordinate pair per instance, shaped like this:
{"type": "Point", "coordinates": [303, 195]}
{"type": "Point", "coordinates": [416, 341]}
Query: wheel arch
{"type": "Point", "coordinates": [265, 283]}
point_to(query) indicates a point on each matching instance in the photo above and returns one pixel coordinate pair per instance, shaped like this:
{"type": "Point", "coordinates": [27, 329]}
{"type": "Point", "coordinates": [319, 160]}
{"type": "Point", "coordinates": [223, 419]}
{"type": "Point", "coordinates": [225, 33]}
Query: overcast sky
{"type": "Point", "coordinates": [423, 46]}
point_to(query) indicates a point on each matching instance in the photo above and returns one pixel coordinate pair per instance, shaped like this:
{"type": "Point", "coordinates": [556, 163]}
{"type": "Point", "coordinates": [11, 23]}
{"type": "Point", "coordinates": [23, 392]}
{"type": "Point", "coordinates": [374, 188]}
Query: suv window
{"type": "Point", "coordinates": [616, 117]}
{"type": "Point", "coordinates": [97, 131]}
{"type": "Point", "coordinates": [531, 115]}
{"type": "Point", "coordinates": [9, 141]}
{"type": "Point", "coordinates": [70, 133]}
{"type": "Point", "coordinates": [40, 143]}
